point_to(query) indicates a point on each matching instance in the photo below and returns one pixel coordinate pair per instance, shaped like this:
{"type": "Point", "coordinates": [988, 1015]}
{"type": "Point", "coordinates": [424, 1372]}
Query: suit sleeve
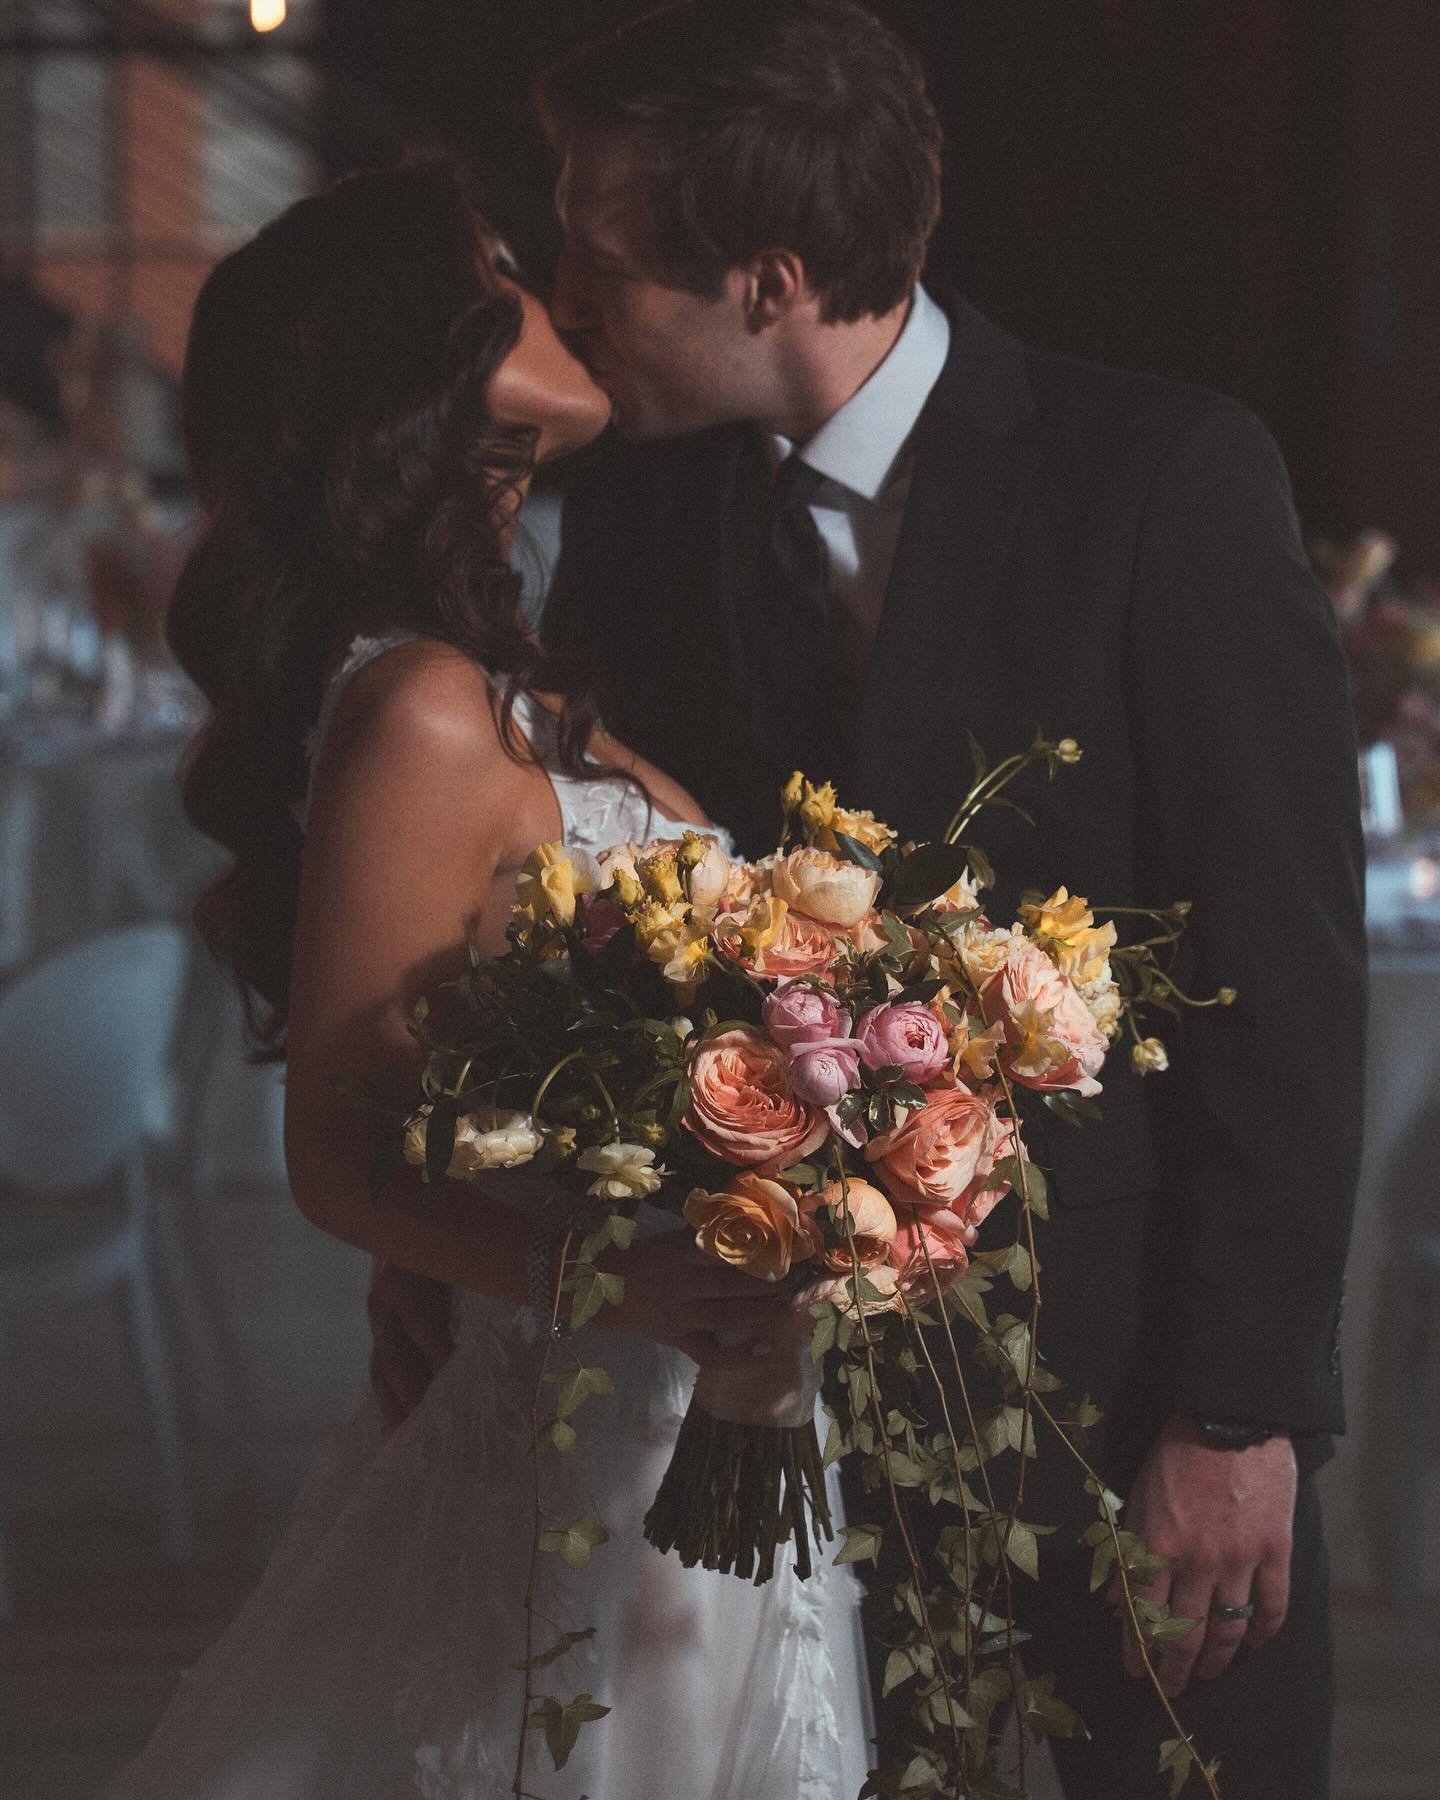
{"type": "Point", "coordinates": [1248, 806]}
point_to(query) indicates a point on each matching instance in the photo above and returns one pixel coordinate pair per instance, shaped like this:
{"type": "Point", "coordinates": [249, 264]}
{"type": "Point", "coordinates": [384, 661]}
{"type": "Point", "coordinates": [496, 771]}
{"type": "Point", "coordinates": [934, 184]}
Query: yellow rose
{"type": "Point", "coordinates": [824, 888]}
{"type": "Point", "coordinates": [660, 878]}
{"type": "Point", "coordinates": [817, 808]}
{"type": "Point", "coordinates": [864, 827]}
{"type": "Point", "coordinates": [754, 1224]}
{"type": "Point", "coordinates": [1149, 1057]}
{"type": "Point", "coordinates": [551, 880]}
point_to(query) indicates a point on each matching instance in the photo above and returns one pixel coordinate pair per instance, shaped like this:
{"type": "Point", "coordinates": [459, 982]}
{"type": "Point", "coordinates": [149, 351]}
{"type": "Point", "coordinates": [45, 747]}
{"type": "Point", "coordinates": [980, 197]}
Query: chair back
{"type": "Point", "coordinates": [85, 1046]}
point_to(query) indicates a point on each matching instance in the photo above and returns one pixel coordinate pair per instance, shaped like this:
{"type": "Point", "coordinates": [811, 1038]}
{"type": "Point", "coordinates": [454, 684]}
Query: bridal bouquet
{"type": "Point", "coordinates": [818, 1062]}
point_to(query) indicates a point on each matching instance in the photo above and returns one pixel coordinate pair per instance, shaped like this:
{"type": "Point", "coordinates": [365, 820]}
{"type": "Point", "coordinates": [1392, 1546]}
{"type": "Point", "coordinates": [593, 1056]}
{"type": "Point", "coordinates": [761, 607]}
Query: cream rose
{"type": "Point", "coordinates": [742, 1107]}
{"type": "Point", "coordinates": [822, 887]}
{"type": "Point", "coordinates": [485, 1139]}
{"type": "Point", "coordinates": [753, 1224]}
{"type": "Point", "coordinates": [621, 1171]}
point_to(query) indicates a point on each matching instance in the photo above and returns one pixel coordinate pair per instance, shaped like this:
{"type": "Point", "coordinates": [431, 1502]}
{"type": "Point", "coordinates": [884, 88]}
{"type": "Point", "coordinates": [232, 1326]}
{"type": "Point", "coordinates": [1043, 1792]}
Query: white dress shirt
{"type": "Point", "coordinates": [865, 454]}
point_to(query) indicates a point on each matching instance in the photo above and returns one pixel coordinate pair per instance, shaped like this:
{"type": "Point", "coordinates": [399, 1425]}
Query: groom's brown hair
{"type": "Point", "coordinates": [767, 124]}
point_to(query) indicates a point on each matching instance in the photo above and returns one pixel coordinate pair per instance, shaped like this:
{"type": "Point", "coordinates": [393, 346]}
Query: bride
{"type": "Point", "coordinates": [368, 387]}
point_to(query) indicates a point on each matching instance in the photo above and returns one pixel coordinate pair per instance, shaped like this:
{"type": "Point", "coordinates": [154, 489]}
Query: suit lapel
{"type": "Point", "coordinates": [976, 449]}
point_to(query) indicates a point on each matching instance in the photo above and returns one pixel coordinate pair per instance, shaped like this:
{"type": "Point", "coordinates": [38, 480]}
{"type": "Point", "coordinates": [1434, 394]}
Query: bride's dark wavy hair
{"type": "Point", "coordinates": [352, 479]}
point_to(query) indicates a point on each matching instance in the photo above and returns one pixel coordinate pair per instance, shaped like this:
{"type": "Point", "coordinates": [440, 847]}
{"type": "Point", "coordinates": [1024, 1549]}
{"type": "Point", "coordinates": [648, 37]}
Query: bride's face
{"type": "Point", "coordinates": [541, 384]}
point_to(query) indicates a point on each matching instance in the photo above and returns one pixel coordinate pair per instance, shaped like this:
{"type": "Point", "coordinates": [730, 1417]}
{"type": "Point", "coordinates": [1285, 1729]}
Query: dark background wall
{"type": "Point", "coordinates": [1244, 193]}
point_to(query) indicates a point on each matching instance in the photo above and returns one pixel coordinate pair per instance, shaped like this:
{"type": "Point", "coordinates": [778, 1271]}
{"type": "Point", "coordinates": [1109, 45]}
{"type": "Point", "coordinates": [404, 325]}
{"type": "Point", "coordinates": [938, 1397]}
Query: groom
{"type": "Point", "coordinates": [825, 468]}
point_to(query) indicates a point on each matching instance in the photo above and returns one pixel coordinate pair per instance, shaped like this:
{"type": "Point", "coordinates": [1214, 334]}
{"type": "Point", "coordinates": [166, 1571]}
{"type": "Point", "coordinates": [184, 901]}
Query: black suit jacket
{"type": "Point", "coordinates": [1116, 558]}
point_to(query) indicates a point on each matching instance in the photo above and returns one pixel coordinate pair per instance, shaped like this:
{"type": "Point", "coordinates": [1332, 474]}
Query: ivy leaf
{"type": "Point", "coordinates": [906, 1471]}
{"type": "Point", "coordinates": [1170, 1630]}
{"type": "Point", "coordinates": [862, 1543]}
{"type": "Point", "coordinates": [574, 1543]}
{"type": "Point", "coordinates": [577, 1387]}
{"type": "Point", "coordinates": [1022, 1549]}
{"type": "Point", "coordinates": [561, 1724]}
{"type": "Point", "coordinates": [1047, 1716]}
{"type": "Point", "coordinates": [1176, 1760]}
{"type": "Point", "coordinates": [561, 1436]}
{"type": "Point", "coordinates": [567, 1642]}
{"type": "Point", "coordinates": [614, 1229]}
{"type": "Point", "coordinates": [823, 1337]}
{"type": "Point", "coordinates": [592, 1288]}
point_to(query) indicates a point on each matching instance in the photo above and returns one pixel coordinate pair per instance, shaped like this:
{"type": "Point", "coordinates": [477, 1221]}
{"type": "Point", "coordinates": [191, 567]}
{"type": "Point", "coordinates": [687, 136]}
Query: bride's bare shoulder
{"type": "Point", "coordinates": [421, 693]}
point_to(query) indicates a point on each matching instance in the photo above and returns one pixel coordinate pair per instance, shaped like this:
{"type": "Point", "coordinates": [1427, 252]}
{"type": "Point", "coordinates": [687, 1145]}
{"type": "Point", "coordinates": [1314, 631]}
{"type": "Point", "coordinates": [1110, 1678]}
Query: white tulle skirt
{"type": "Point", "coordinates": [377, 1659]}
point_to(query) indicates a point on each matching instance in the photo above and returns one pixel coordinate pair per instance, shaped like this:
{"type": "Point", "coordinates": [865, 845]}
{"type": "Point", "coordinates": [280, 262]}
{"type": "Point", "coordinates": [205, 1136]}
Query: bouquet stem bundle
{"type": "Point", "coordinates": [734, 1493]}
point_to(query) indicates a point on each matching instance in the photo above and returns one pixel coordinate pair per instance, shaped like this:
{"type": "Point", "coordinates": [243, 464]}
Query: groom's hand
{"type": "Point", "coordinates": [1227, 1518]}
{"type": "Point", "coordinates": [410, 1338]}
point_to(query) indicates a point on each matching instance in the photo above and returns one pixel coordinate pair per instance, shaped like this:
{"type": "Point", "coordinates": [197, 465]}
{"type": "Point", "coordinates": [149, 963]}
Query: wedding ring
{"type": "Point", "coordinates": [1230, 1615]}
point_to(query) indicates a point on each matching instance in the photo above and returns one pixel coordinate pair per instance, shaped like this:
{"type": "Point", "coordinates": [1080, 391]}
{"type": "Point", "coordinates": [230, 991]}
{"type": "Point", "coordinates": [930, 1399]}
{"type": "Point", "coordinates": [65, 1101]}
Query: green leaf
{"type": "Point", "coordinates": [822, 1339]}
{"type": "Point", "coordinates": [615, 1229]}
{"type": "Point", "coordinates": [566, 1642]}
{"type": "Point", "coordinates": [1022, 1549]}
{"type": "Point", "coordinates": [592, 1288]}
{"type": "Point", "coordinates": [561, 1724]}
{"type": "Point", "coordinates": [1170, 1630]}
{"type": "Point", "coordinates": [574, 1543]}
{"type": "Point", "coordinates": [440, 1137]}
{"type": "Point", "coordinates": [1047, 1716]}
{"type": "Point", "coordinates": [578, 1386]}
{"type": "Point", "coordinates": [926, 873]}
{"type": "Point", "coordinates": [561, 1436]}
{"type": "Point", "coordinates": [1176, 1760]}
{"type": "Point", "coordinates": [854, 851]}
{"type": "Point", "coordinates": [862, 1543]}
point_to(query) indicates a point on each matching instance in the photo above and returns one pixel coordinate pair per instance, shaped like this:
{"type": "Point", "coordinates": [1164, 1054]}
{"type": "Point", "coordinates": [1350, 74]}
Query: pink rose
{"type": "Point", "coordinates": [796, 1015]}
{"type": "Point", "coordinates": [930, 1246]}
{"type": "Point", "coordinates": [823, 1074]}
{"type": "Point", "coordinates": [743, 1108]}
{"type": "Point", "coordinates": [942, 1153]}
{"type": "Point", "coordinates": [1051, 1039]}
{"type": "Point", "coordinates": [908, 1036]}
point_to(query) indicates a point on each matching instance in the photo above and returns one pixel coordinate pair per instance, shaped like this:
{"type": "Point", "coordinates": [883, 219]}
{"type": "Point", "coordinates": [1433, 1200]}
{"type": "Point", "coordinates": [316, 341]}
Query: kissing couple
{"type": "Point", "coordinates": [820, 466]}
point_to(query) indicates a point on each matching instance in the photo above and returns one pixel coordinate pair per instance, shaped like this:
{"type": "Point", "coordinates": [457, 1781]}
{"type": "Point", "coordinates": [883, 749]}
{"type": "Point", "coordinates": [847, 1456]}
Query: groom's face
{"type": "Point", "coordinates": [671, 361]}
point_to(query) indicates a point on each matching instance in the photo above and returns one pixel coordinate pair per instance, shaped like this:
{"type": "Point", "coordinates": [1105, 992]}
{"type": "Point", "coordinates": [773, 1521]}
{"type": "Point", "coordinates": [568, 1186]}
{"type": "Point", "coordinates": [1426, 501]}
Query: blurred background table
{"type": "Point", "coordinates": [1399, 1198]}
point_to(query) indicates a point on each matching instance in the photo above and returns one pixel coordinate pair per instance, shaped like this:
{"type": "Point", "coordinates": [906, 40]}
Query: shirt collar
{"type": "Point", "coordinates": [859, 446]}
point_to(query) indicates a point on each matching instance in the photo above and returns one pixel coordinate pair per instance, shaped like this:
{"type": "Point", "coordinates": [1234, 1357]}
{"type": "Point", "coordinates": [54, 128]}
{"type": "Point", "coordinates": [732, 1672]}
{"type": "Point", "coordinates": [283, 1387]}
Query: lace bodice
{"type": "Point", "coordinates": [596, 811]}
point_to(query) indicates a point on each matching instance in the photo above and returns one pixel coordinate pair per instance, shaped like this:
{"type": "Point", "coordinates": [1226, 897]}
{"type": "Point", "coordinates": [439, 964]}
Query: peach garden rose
{"type": "Point", "coordinates": [753, 1224]}
{"type": "Point", "coordinates": [943, 1153]}
{"type": "Point", "coordinates": [742, 1106]}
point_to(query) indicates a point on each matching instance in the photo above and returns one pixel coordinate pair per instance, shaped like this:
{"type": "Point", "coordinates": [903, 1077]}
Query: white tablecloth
{"type": "Point", "coordinates": [92, 834]}
{"type": "Point", "coordinates": [1399, 1197]}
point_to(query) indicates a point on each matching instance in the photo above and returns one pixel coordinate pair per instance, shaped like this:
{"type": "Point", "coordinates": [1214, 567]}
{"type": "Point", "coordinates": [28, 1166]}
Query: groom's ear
{"type": "Point", "coordinates": [774, 284]}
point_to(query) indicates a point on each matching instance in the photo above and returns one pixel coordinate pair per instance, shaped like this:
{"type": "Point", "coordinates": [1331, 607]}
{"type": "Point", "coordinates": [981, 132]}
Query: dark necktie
{"type": "Point", "coordinates": [797, 703]}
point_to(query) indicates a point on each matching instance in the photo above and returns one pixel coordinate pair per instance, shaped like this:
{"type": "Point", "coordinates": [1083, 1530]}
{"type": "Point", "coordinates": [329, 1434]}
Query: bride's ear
{"type": "Point", "coordinates": [774, 284]}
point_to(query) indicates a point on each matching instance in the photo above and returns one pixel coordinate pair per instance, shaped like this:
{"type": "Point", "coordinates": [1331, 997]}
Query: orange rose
{"type": "Point", "coordinates": [754, 1225]}
{"type": "Point", "coordinates": [742, 1107]}
{"type": "Point", "coordinates": [799, 946]}
{"type": "Point", "coordinates": [942, 1153]}
{"type": "Point", "coordinates": [872, 1224]}
{"type": "Point", "coordinates": [946, 1238]}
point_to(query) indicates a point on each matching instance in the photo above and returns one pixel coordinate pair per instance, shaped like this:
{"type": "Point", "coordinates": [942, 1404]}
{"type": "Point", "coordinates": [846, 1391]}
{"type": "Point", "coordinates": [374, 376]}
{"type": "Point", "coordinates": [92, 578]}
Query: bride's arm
{"type": "Point", "coordinates": [414, 809]}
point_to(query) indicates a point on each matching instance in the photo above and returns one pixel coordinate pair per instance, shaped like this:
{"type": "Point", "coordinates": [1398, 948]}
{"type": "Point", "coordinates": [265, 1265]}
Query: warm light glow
{"type": "Point", "coordinates": [266, 15]}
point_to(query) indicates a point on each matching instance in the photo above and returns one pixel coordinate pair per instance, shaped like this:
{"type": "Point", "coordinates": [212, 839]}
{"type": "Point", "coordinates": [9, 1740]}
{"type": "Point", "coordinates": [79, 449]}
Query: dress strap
{"type": "Point", "coordinates": [363, 650]}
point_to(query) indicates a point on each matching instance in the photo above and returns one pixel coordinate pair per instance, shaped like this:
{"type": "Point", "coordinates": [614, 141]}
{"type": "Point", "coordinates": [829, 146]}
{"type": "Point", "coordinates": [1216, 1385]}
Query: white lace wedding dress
{"type": "Point", "coordinates": [377, 1659]}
